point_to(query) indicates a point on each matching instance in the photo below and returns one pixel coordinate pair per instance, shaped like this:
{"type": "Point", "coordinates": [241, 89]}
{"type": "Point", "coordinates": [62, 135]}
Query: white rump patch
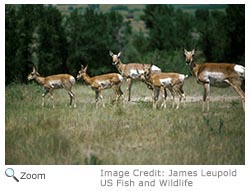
{"type": "Point", "coordinates": [72, 80]}
{"type": "Point", "coordinates": [166, 81]}
{"type": "Point", "coordinates": [136, 73]}
{"type": "Point", "coordinates": [155, 69]}
{"type": "Point", "coordinates": [120, 77]}
{"type": "Point", "coordinates": [182, 77]}
{"type": "Point", "coordinates": [240, 70]}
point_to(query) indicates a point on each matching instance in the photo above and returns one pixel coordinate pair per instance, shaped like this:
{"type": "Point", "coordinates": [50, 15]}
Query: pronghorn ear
{"type": "Point", "coordinates": [110, 53]}
{"type": "Point", "coordinates": [119, 54]}
{"type": "Point", "coordinates": [185, 51]}
{"type": "Point", "coordinates": [193, 51]}
{"type": "Point", "coordinates": [33, 69]}
{"type": "Point", "coordinates": [82, 66]}
{"type": "Point", "coordinates": [86, 68]}
{"type": "Point", "coordinates": [151, 64]}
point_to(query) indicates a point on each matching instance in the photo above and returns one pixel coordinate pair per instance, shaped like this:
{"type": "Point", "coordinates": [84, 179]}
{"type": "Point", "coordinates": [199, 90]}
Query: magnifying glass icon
{"type": "Point", "coordinates": [9, 172]}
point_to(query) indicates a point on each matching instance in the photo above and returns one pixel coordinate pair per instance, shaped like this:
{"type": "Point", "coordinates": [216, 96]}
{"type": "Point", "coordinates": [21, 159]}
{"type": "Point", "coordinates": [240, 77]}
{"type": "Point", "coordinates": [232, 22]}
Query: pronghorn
{"type": "Point", "coordinates": [161, 81]}
{"type": "Point", "coordinates": [52, 82]}
{"type": "Point", "coordinates": [101, 82]}
{"type": "Point", "coordinates": [130, 71]}
{"type": "Point", "coordinates": [217, 75]}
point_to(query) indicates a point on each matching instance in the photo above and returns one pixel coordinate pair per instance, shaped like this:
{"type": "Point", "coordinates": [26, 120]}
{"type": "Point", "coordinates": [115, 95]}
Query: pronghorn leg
{"type": "Point", "coordinates": [101, 98]}
{"type": "Point", "coordinates": [52, 98]}
{"type": "Point", "coordinates": [205, 96]}
{"type": "Point", "coordinates": [119, 92]}
{"type": "Point", "coordinates": [173, 99]}
{"type": "Point", "coordinates": [183, 95]}
{"type": "Point", "coordinates": [72, 98]}
{"type": "Point", "coordinates": [164, 95]}
{"type": "Point", "coordinates": [96, 98]}
{"type": "Point", "coordinates": [180, 98]}
{"type": "Point", "coordinates": [128, 89]}
{"type": "Point", "coordinates": [116, 92]}
{"type": "Point", "coordinates": [239, 91]}
{"type": "Point", "coordinates": [180, 93]}
{"type": "Point", "coordinates": [155, 97]}
{"type": "Point", "coordinates": [68, 86]}
{"type": "Point", "coordinates": [172, 96]}
{"type": "Point", "coordinates": [43, 95]}
{"type": "Point", "coordinates": [242, 95]}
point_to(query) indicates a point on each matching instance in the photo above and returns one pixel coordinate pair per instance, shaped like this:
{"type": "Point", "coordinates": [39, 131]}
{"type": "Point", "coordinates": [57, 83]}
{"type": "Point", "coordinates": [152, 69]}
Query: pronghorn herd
{"type": "Point", "coordinates": [130, 71]}
{"type": "Point", "coordinates": [207, 74]}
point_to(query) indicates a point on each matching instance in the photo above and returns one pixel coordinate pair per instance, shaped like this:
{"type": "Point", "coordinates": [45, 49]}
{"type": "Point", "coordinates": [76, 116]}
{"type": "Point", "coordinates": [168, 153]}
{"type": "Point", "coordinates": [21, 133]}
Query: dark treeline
{"type": "Point", "coordinates": [40, 36]}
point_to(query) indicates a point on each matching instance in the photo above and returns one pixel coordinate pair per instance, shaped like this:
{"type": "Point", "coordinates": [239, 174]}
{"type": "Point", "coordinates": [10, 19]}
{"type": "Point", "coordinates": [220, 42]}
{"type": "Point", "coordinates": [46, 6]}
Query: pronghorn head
{"type": "Point", "coordinates": [115, 58]}
{"type": "Point", "coordinates": [33, 74]}
{"type": "Point", "coordinates": [147, 70]}
{"type": "Point", "coordinates": [82, 72]}
{"type": "Point", "coordinates": [141, 75]}
{"type": "Point", "coordinates": [189, 56]}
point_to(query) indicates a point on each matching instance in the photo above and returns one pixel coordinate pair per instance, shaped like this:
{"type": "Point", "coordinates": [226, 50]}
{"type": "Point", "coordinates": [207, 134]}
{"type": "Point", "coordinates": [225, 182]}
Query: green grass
{"type": "Point", "coordinates": [123, 133]}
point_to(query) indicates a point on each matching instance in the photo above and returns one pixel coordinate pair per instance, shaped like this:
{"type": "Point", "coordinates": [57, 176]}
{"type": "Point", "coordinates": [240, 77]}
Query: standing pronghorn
{"type": "Point", "coordinates": [50, 83]}
{"type": "Point", "coordinates": [218, 75]}
{"type": "Point", "coordinates": [161, 81]}
{"type": "Point", "coordinates": [130, 71]}
{"type": "Point", "coordinates": [101, 82]}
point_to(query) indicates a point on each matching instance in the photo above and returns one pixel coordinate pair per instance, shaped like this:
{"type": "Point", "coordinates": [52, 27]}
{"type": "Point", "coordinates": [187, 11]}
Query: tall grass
{"type": "Point", "coordinates": [122, 133]}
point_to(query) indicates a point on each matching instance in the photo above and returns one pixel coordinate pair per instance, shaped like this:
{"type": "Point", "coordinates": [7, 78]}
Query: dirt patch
{"type": "Point", "coordinates": [191, 98]}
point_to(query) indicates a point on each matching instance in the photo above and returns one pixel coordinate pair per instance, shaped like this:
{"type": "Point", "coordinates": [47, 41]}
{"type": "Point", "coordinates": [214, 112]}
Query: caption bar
{"type": "Point", "coordinates": [157, 178]}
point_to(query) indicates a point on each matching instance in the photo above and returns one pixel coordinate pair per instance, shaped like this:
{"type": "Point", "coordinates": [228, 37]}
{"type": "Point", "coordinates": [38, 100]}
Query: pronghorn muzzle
{"type": "Point", "coordinates": [114, 63]}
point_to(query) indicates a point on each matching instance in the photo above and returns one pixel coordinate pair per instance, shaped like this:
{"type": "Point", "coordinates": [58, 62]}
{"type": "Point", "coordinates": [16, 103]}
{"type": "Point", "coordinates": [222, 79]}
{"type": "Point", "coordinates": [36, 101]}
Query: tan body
{"type": "Point", "coordinates": [52, 82]}
{"type": "Point", "coordinates": [101, 82]}
{"type": "Point", "coordinates": [161, 81]}
{"type": "Point", "coordinates": [130, 71]}
{"type": "Point", "coordinates": [217, 75]}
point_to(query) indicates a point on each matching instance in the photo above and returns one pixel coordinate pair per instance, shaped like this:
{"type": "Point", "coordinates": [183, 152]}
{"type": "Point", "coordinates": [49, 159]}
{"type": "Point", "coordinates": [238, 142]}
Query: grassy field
{"type": "Point", "coordinates": [122, 133]}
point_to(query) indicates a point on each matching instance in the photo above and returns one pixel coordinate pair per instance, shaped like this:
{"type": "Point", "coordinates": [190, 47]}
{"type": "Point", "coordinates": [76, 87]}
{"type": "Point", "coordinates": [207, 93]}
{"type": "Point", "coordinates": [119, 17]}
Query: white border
{"type": "Point", "coordinates": [88, 177]}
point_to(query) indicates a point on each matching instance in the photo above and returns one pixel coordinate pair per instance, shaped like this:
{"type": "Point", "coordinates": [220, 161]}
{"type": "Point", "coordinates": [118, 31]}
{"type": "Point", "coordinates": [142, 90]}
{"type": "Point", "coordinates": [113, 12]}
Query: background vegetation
{"type": "Point", "coordinates": [59, 38]}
